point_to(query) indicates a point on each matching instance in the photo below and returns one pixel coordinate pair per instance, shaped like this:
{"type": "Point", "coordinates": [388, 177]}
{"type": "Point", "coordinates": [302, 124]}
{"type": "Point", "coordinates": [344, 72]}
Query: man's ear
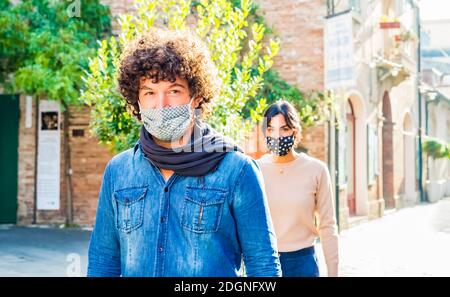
{"type": "Point", "coordinates": [197, 101]}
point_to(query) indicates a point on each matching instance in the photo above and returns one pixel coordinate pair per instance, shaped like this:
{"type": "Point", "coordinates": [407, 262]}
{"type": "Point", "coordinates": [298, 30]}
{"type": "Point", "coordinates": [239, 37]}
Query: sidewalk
{"type": "Point", "coordinates": [409, 242]}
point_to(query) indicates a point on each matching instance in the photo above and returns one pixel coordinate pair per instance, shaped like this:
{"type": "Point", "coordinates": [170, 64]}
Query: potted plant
{"type": "Point", "coordinates": [408, 35]}
{"type": "Point", "coordinates": [436, 149]}
{"type": "Point", "coordinates": [436, 186]}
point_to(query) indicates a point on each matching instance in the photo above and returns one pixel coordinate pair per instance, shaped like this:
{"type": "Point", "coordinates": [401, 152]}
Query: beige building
{"type": "Point", "coordinates": [377, 145]}
{"type": "Point", "coordinates": [438, 127]}
{"type": "Point", "coordinates": [436, 93]}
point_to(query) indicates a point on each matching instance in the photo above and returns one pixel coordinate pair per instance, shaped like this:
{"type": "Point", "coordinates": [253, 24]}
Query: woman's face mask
{"type": "Point", "coordinates": [280, 146]}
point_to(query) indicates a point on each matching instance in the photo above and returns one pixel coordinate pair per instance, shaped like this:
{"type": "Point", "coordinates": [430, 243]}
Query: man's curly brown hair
{"type": "Point", "coordinates": [164, 55]}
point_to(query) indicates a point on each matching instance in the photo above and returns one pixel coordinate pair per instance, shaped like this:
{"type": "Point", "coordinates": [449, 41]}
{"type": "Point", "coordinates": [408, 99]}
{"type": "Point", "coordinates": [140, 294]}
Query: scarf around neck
{"type": "Point", "coordinates": [197, 158]}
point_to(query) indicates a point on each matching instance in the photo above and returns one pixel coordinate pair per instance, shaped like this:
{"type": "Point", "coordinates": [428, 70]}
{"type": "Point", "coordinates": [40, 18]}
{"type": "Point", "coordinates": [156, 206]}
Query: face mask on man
{"type": "Point", "coordinates": [168, 123]}
{"type": "Point", "coordinates": [280, 146]}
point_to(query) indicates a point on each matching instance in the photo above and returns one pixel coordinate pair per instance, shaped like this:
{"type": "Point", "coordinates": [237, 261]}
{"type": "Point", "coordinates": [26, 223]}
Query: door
{"type": "Point", "coordinates": [9, 140]}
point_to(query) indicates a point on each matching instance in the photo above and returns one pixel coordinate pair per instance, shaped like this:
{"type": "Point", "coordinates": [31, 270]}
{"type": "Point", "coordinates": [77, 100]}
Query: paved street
{"type": "Point", "coordinates": [410, 242]}
{"type": "Point", "coordinates": [43, 251]}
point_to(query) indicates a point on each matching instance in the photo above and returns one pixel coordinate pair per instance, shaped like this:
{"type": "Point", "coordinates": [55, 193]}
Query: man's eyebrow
{"type": "Point", "coordinates": [171, 86]}
{"type": "Point", "coordinates": [177, 85]}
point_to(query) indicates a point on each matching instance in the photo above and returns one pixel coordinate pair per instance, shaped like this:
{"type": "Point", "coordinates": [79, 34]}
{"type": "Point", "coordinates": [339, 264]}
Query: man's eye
{"type": "Point", "coordinates": [149, 93]}
{"type": "Point", "coordinates": [174, 91]}
{"type": "Point", "coordinates": [286, 129]}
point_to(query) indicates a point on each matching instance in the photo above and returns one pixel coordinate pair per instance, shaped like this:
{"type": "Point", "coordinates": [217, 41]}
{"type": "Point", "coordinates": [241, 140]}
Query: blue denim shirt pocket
{"type": "Point", "coordinates": [202, 209]}
{"type": "Point", "coordinates": [129, 204]}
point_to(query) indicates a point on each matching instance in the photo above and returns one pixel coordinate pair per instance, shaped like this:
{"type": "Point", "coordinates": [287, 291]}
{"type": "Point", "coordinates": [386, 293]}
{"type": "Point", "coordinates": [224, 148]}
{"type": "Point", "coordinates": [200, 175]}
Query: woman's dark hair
{"type": "Point", "coordinates": [286, 109]}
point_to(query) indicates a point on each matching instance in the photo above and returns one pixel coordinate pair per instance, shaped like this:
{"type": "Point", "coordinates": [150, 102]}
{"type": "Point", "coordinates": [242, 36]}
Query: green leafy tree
{"type": "Point", "coordinates": [14, 33]}
{"type": "Point", "coordinates": [236, 47]}
{"type": "Point", "coordinates": [44, 53]}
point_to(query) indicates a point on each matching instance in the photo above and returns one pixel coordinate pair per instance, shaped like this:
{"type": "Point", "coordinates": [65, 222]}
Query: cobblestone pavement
{"type": "Point", "coordinates": [410, 242]}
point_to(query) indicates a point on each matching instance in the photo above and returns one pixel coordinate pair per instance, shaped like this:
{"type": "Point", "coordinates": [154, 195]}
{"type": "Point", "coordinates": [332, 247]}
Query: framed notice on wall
{"type": "Point", "coordinates": [49, 156]}
{"type": "Point", "coordinates": [338, 46]}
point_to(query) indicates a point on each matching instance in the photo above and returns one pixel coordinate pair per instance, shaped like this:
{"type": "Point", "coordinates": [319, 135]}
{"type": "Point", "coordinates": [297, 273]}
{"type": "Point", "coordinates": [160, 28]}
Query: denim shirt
{"type": "Point", "coordinates": [185, 226]}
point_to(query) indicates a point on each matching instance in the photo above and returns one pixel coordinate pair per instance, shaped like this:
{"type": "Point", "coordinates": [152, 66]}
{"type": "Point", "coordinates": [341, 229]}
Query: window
{"type": "Point", "coordinates": [403, 6]}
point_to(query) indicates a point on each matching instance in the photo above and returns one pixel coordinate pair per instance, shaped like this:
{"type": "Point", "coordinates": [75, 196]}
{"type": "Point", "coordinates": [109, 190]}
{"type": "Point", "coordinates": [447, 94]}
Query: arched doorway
{"type": "Point", "coordinates": [388, 153]}
{"type": "Point", "coordinates": [350, 134]}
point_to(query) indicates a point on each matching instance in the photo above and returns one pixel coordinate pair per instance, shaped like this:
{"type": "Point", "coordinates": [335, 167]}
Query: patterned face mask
{"type": "Point", "coordinates": [167, 123]}
{"type": "Point", "coordinates": [280, 146]}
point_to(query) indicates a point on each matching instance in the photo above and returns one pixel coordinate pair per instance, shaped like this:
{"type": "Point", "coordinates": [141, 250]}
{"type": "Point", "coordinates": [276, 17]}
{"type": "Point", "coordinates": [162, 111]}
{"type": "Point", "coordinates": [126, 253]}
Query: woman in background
{"type": "Point", "coordinates": [299, 193]}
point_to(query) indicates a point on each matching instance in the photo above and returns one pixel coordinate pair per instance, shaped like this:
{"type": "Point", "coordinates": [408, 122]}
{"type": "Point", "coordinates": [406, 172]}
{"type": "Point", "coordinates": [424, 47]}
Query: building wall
{"type": "Point", "coordinates": [438, 181]}
{"type": "Point", "coordinates": [26, 166]}
{"type": "Point", "coordinates": [367, 96]}
{"type": "Point", "coordinates": [88, 160]}
{"type": "Point", "coordinates": [315, 140]}
{"type": "Point", "coordinates": [299, 25]}
{"type": "Point", "coordinates": [405, 102]}
{"type": "Point", "coordinates": [26, 178]}
{"type": "Point", "coordinates": [438, 32]}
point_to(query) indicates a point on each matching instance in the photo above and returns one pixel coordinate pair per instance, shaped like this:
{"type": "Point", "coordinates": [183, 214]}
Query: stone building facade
{"type": "Point", "coordinates": [379, 115]}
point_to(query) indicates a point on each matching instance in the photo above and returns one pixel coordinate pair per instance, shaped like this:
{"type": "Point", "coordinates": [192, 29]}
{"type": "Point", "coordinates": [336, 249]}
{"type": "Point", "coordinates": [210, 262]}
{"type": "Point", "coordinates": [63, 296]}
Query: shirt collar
{"type": "Point", "coordinates": [136, 147]}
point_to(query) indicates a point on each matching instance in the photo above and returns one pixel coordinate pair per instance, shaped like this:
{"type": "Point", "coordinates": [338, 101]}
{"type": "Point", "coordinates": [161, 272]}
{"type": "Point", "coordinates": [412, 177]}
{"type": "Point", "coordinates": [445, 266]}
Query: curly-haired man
{"type": "Point", "coordinates": [185, 201]}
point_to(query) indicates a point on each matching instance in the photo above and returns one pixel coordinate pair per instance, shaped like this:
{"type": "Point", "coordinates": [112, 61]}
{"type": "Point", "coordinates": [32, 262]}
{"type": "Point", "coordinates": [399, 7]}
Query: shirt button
{"type": "Point", "coordinates": [166, 189]}
{"type": "Point", "coordinates": [163, 219]}
{"type": "Point", "coordinates": [160, 249]}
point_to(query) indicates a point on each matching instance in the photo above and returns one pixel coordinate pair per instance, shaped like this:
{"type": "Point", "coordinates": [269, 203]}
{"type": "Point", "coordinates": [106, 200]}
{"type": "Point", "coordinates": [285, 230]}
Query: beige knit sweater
{"type": "Point", "coordinates": [302, 206]}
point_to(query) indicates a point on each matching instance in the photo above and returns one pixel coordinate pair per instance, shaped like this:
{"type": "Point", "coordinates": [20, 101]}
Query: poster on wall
{"type": "Point", "coordinates": [339, 58]}
{"type": "Point", "coordinates": [49, 154]}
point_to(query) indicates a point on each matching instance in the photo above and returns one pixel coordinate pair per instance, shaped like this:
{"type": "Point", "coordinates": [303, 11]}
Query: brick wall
{"type": "Point", "coordinates": [315, 140]}
{"type": "Point", "coordinates": [26, 166]}
{"type": "Point", "coordinates": [299, 24]}
{"type": "Point", "coordinates": [88, 162]}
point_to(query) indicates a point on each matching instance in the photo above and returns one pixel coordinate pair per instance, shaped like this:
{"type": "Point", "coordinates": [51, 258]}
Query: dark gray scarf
{"type": "Point", "coordinates": [197, 158]}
